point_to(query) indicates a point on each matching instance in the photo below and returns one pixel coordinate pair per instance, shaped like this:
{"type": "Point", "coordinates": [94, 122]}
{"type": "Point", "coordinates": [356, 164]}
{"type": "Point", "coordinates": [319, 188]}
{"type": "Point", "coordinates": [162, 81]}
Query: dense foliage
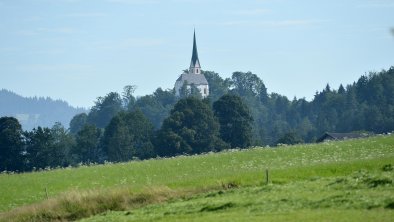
{"type": "Point", "coordinates": [190, 128]}
{"type": "Point", "coordinates": [129, 134]}
{"type": "Point", "coordinates": [88, 149]}
{"type": "Point", "coordinates": [11, 144]}
{"type": "Point", "coordinates": [235, 121]}
{"type": "Point", "coordinates": [239, 112]}
{"type": "Point", "coordinates": [365, 105]}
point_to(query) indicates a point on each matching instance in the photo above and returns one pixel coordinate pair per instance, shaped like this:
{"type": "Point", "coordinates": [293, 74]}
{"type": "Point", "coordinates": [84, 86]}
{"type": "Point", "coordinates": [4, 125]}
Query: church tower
{"type": "Point", "coordinates": [195, 67]}
{"type": "Point", "coordinates": [193, 76]}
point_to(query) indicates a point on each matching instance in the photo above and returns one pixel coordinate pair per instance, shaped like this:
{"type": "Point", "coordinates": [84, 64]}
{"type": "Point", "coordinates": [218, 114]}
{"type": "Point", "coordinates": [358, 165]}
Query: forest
{"type": "Point", "coordinates": [36, 111]}
{"type": "Point", "coordinates": [239, 113]}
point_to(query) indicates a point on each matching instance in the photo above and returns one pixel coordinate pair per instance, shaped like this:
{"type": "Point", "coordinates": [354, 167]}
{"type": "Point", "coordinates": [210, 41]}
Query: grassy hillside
{"type": "Point", "coordinates": [319, 180]}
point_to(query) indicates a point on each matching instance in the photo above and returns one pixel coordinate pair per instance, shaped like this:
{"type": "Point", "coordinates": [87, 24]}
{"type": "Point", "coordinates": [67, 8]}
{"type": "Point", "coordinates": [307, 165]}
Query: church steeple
{"type": "Point", "coordinates": [195, 67]}
{"type": "Point", "coordinates": [193, 77]}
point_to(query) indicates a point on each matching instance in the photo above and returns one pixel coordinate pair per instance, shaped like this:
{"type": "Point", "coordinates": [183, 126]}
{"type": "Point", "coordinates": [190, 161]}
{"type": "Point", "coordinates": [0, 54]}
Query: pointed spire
{"type": "Point", "coordinates": [195, 54]}
{"type": "Point", "coordinates": [195, 62]}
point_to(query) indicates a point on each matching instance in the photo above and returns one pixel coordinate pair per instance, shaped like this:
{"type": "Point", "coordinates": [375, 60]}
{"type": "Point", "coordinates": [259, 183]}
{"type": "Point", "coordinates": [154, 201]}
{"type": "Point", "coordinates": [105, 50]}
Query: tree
{"type": "Point", "coordinates": [48, 147]}
{"type": "Point", "coordinates": [217, 86]}
{"type": "Point", "coordinates": [128, 136]}
{"type": "Point", "coordinates": [128, 98]}
{"type": "Point", "coordinates": [142, 130]}
{"type": "Point", "coordinates": [263, 94]}
{"type": "Point", "coordinates": [190, 128]}
{"type": "Point", "coordinates": [11, 144]}
{"type": "Point", "coordinates": [156, 107]}
{"type": "Point", "coordinates": [362, 88]}
{"type": "Point", "coordinates": [278, 127]}
{"type": "Point", "coordinates": [290, 138]}
{"type": "Point", "coordinates": [328, 88]}
{"type": "Point", "coordinates": [87, 148]}
{"type": "Point", "coordinates": [117, 141]}
{"type": "Point", "coordinates": [39, 145]}
{"type": "Point", "coordinates": [374, 120]}
{"type": "Point", "coordinates": [247, 84]}
{"type": "Point", "coordinates": [165, 97]}
{"type": "Point", "coordinates": [341, 89]}
{"type": "Point", "coordinates": [280, 104]}
{"type": "Point", "coordinates": [61, 147]}
{"type": "Point", "coordinates": [78, 122]}
{"type": "Point", "coordinates": [152, 109]}
{"type": "Point", "coordinates": [104, 109]}
{"type": "Point", "coordinates": [235, 121]}
{"type": "Point", "coordinates": [305, 129]}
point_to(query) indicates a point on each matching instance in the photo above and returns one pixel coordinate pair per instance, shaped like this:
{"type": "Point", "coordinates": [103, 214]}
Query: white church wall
{"type": "Point", "coordinates": [204, 89]}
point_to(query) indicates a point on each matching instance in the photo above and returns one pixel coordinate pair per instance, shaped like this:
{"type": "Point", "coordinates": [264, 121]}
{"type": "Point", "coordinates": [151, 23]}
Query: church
{"type": "Point", "coordinates": [193, 76]}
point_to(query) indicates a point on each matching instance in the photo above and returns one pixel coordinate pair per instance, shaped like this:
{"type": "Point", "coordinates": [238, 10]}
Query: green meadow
{"type": "Point", "coordinates": [334, 181]}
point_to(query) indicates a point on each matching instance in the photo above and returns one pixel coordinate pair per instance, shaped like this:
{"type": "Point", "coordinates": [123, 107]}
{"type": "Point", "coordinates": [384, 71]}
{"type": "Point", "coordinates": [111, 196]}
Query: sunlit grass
{"type": "Point", "coordinates": [204, 172]}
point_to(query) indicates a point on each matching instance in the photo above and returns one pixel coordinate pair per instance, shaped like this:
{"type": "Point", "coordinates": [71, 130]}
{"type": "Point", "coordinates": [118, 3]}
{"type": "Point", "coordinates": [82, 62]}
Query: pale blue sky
{"type": "Point", "coordinates": [77, 50]}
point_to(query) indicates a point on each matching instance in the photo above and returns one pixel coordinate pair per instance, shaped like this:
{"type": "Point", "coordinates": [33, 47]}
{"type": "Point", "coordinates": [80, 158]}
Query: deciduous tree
{"type": "Point", "coordinates": [104, 109]}
{"type": "Point", "coordinates": [235, 121]}
{"type": "Point", "coordinates": [128, 136]}
{"type": "Point", "coordinates": [190, 128]}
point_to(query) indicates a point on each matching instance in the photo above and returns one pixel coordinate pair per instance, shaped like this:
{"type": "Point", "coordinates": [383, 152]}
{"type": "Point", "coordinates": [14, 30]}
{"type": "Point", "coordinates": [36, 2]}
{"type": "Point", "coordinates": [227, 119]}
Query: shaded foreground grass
{"type": "Point", "coordinates": [361, 196]}
{"type": "Point", "coordinates": [85, 191]}
{"type": "Point", "coordinates": [328, 215]}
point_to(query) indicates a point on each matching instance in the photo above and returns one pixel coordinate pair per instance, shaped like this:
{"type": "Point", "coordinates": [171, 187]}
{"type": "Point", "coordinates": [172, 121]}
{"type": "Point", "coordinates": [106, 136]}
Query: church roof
{"type": "Point", "coordinates": [194, 54]}
{"type": "Point", "coordinates": [196, 79]}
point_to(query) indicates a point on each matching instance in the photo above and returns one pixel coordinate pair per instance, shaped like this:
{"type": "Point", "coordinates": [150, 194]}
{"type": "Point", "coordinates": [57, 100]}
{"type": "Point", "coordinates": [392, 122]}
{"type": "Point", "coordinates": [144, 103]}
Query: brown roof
{"type": "Point", "coordinates": [340, 136]}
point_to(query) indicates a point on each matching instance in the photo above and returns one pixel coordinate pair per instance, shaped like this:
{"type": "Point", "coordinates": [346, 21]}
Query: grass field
{"type": "Point", "coordinates": [362, 196]}
{"type": "Point", "coordinates": [348, 180]}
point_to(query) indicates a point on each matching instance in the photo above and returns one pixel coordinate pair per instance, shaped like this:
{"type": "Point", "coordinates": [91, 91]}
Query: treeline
{"type": "Point", "coordinates": [238, 113]}
{"type": "Point", "coordinates": [365, 105]}
{"type": "Point", "coordinates": [192, 127]}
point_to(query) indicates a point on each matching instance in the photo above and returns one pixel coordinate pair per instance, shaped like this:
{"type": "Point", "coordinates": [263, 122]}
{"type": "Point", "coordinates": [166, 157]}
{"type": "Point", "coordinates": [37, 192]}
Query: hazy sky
{"type": "Point", "coordinates": [77, 50]}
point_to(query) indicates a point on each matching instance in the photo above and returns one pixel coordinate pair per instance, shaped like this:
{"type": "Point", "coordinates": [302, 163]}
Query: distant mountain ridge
{"type": "Point", "coordinates": [36, 111]}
